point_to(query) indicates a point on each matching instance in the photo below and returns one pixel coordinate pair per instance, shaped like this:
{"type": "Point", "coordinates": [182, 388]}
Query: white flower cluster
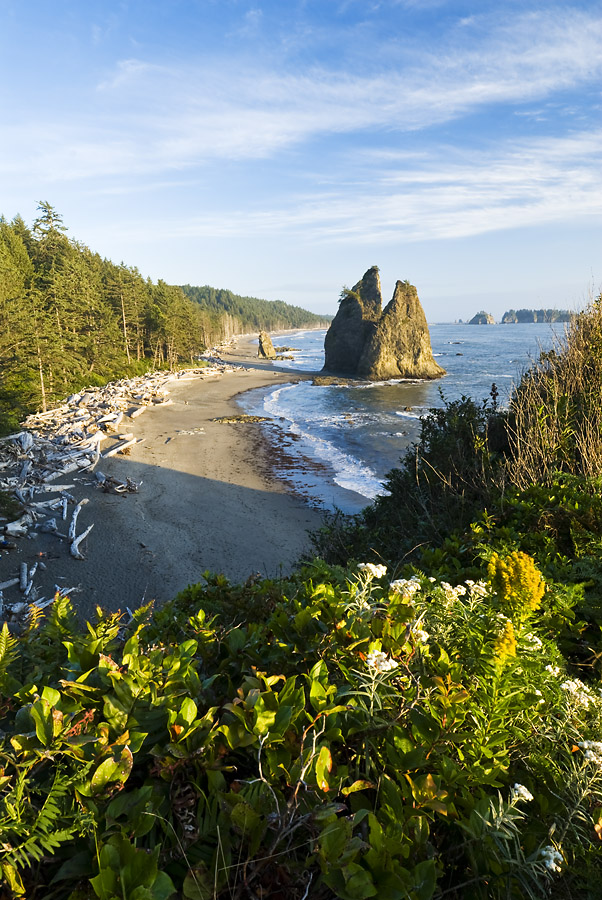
{"type": "Point", "coordinates": [380, 661]}
{"type": "Point", "coordinates": [371, 569]}
{"type": "Point", "coordinates": [420, 635]}
{"type": "Point", "coordinates": [552, 858]}
{"type": "Point", "coordinates": [407, 587]}
{"type": "Point", "coordinates": [533, 640]}
{"type": "Point", "coordinates": [553, 670]}
{"type": "Point", "coordinates": [579, 692]}
{"type": "Point", "coordinates": [520, 792]}
{"type": "Point", "coordinates": [592, 751]}
{"type": "Point", "coordinates": [477, 588]}
{"type": "Point", "coordinates": [452, 593]}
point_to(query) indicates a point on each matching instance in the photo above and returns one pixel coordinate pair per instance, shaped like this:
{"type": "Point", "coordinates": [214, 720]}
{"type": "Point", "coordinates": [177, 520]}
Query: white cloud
{"type": "Point", "coordinates": [533, 183]}
{"type": "Point", "coordinates": [150, 118]}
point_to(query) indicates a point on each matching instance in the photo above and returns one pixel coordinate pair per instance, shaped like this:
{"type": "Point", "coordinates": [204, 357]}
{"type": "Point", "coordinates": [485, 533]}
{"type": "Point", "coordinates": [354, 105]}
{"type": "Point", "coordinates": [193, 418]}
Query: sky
{"type": "Point", "coordinates": [281, 148]}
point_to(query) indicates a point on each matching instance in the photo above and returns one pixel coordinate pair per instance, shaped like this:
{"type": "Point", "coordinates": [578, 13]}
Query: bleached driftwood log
{"type": "Point", "coordinates": [12, 582]}
{"type": "Point", "coordinates": [76, 513]}
{"type": "Point", "coordinates": [74, 549]}
{"type": "Point", "coordinates": [119, 448]}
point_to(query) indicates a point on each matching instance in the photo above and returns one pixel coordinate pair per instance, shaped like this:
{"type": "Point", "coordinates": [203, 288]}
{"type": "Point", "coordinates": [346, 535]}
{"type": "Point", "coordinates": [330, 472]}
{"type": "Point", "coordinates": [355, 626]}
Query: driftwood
{"type": "Point", "coordinates": [8, 584]}
{"type": "Point", "coordinates": [67, 439]}
{"type": "Point", "coordinates": [120, 448]}
{"type": "Point", "coordinates": [74, 549]}
{"type": "Point", "coordinates": [114, 486]}
{"type": "Point", "coordinates": [76, 513]}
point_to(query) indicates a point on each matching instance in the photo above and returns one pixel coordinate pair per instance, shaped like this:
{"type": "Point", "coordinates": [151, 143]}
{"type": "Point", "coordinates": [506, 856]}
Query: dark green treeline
{"type": "Point", "coordinates": [69, 318]}
{"type": "Point", "coordinates": [252, 313]}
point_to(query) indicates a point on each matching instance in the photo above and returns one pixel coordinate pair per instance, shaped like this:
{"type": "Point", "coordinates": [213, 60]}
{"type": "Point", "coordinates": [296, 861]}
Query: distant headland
{"type": "Point", "coordinates": [518, 316]}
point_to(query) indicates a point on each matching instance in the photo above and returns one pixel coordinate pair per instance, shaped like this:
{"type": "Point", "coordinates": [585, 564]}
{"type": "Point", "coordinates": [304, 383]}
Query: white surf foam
{"type": "Point", "coordinates": [349, 472]}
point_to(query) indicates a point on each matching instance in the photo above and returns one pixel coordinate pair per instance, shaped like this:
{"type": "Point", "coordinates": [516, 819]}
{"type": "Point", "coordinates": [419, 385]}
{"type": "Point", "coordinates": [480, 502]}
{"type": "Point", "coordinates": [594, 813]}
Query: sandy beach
{"type": "Point", "coordinates": [207, 500]}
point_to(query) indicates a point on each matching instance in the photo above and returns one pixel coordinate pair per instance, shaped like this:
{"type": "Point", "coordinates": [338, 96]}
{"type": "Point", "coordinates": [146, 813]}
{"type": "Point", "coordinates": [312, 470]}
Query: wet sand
{"type": "Point", "coordinates": [207, 500]}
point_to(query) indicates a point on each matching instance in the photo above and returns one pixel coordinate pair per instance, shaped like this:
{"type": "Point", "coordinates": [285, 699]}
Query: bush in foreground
{"type": "Point", "coordinates": [334, 734]}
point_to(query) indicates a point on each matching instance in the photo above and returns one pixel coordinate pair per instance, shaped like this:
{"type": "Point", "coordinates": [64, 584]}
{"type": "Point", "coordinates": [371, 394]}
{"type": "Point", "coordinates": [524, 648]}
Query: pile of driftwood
{"type": "Point", "coordinates": [64, 443]}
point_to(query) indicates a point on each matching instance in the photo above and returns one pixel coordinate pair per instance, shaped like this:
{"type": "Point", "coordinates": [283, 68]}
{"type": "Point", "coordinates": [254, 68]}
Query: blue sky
{"type": "Point", "coordinates": [282, 148]}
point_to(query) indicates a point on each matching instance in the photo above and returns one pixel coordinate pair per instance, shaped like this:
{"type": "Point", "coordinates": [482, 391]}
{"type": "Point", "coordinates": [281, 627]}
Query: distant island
{"type": "Point", "coordinates": [513, 316]}
{"type": "Point", "coordinates": [536, 315]}
{"type": "Point", "coordinates": [482, 318]}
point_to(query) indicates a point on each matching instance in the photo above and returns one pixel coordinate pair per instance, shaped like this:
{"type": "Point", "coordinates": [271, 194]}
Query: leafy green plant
{"type": "Point", "coordinates": [354, 737]}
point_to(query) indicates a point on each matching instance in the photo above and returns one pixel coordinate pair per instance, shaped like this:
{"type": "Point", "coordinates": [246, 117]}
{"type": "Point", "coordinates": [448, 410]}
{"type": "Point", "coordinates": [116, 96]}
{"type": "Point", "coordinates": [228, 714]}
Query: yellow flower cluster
{"type": "Point", "coordinates": [505, 643]}
{"type": "Point", "coordinates": [518, 583]}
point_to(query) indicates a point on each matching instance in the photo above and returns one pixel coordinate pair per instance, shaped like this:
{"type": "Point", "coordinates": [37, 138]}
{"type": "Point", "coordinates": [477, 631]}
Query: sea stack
{"type": "Point", "coordinates": [366, 341]}
{"type": "Point", "coordinates": [482, 318]}
{"type": "Point", "coordinates": [266, 348]}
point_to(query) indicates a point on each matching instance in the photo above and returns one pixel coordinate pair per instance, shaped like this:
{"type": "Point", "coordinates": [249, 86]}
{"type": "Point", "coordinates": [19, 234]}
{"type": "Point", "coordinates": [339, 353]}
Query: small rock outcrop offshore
{"type": "Point", "coordinates": [368, 342]}
{"type": "Point", "coordinates": [266, 348]}
{"type": "Point", "coordinates": [482, 318]}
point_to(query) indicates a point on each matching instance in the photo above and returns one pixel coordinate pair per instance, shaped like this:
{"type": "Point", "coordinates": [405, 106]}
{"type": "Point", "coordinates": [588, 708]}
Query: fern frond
{"type": "Point", "coordinates": [27, 834]}
{"type": "Point", "coordinates": [142, 615]}
{"type": "Point", "coordinates": [34, 619]}
{"type": "Point", "coordinates": [62, 620]}
{"type": "Point", "coordinates": [8, 649]}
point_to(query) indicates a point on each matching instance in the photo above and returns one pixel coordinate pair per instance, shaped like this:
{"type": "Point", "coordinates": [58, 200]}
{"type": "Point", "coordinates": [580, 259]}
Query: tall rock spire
{"type": "Point", "coordinates": [365, 341]}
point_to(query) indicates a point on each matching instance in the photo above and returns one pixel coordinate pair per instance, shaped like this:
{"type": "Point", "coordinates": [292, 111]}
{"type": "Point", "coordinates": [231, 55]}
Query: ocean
{"type": "Point", "coordinates": [334, 444]}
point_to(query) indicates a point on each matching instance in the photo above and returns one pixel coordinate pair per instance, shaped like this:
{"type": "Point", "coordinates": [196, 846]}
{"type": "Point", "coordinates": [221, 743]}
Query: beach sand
{"type": "Point", "coordinates": [207, 501]}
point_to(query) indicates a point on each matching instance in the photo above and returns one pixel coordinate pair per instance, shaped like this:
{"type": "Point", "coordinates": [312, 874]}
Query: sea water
{"type": "Point", "coordinates": [335, 443]}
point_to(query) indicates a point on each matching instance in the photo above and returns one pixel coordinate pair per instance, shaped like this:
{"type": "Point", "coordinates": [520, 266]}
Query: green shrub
{"type": "Point", "coordinates": [345, 736]}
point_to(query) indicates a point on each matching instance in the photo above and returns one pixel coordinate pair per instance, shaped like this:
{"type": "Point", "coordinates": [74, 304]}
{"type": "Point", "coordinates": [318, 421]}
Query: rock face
{"type": "Point", "coordinates": [536, 315]}
{"type": "Point", "coordinates": [482, 318]}
{"type": "Point", "coordinates": [365, 341]}
{"type": "Point", "coordinates": [266, 348]}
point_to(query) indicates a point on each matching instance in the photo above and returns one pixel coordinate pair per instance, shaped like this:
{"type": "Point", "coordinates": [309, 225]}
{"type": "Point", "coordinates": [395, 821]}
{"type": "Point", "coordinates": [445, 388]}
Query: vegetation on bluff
{"type": "Point", "coordinates": [69, 318]}
{"type": "Point", "coordinates": [418, 717]}
{"type": "Point", "coordinates": [251, 313]}
{"type": "Point", "coordinates": [536, 315]}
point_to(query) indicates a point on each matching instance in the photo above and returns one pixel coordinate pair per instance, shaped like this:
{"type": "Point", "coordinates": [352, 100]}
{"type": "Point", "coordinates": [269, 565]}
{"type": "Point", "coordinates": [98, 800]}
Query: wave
{"type": "Point", "coordinates": [348, 472]}
{"type": "Point", "coordinates": [416, 413]}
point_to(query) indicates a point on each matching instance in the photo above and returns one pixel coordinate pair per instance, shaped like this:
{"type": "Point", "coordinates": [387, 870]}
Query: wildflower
{"type": "Point", "coordinates": [534, 641]}
{"type": "Point", "coordinates": [539, 694]}
{"type": "Point", "coordinates": [505, 643]}
{"type": "Point", "coordinates": [578, 691]}
{"type": "Point", "coordinates": [553, 670]}
{"type": "Point", "coordinates": [552, 859]}
{"type": "Point", "coordinates": [371, 569]}
{"type": "Point", "coordinates": [380, 661]}
{"type": "Point", "coordinates": [592, 751]}
{"type": "Point", "coordinates": [520, 792]}
{"type": "Point", "coordinates": [518, 584]}
{"type": "Point", "coordinates": [460, 590]}
{"type": "Point", "coordinates": [432, 580]}
{"type": "Point", "coordinates": [420, 635]}
{"type": "Point", "coordinates": [406, 587]}
{"type": "Point", "coordinates": [451, 593]}
{"type": "Point", "coordinates": [477, 588]}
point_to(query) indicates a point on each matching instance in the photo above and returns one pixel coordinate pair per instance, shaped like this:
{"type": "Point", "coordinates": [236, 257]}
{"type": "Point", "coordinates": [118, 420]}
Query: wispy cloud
{"type": "Point", "coordinates": [449, 197]}
{"type": "Point", "coordinates": [150, 118]}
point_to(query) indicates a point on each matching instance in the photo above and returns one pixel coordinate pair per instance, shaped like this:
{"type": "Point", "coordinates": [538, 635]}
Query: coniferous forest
{"type": "Point", "coordinates": [69, 318]}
